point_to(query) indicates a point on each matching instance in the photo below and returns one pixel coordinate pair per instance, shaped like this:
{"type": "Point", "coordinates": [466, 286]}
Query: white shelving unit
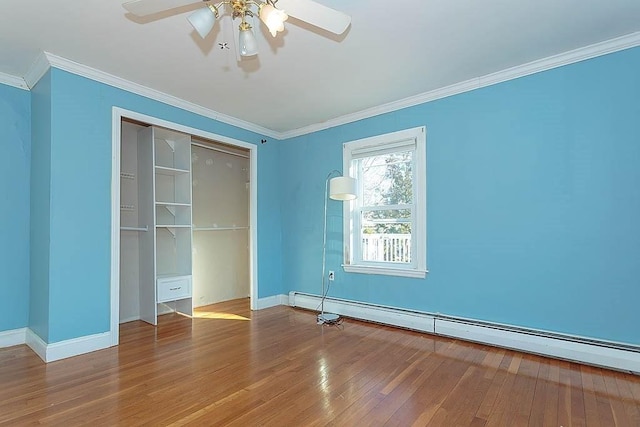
{"type": "Point", "coordinates": [167, 283]}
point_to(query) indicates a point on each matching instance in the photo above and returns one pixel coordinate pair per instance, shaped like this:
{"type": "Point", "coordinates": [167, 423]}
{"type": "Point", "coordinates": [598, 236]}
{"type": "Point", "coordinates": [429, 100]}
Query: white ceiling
{"type": "Point", "coordinates": [393, 50]}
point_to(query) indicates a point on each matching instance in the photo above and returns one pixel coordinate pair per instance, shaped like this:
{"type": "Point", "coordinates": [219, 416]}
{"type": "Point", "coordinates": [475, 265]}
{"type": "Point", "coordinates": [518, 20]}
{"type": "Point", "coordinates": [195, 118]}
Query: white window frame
{"type": "Point", "coordinates": [353, 263]}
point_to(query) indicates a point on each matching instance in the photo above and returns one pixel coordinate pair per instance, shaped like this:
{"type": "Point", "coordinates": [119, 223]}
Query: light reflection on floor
{"type": "Point", "coordinates": [217, 315]}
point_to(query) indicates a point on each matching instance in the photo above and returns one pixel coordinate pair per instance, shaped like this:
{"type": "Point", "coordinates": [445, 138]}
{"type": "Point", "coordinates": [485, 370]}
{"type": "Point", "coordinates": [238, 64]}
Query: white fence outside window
{"type": "Point", "coordinates": [386, 247]}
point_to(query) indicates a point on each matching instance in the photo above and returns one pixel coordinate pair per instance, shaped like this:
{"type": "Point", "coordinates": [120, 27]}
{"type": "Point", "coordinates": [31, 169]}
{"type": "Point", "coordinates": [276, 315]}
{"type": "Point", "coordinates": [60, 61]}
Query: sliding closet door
{"type": "Point", "coordinates": [220, 225]}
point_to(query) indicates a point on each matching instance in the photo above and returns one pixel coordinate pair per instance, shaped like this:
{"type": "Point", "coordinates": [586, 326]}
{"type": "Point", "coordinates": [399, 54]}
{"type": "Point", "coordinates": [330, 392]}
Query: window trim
{"type": "Point", "coordinates": [418, 267]}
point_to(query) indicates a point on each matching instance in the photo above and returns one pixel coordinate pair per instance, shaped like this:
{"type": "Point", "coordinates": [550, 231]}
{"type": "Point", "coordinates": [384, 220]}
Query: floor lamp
{"type": "Point", "coordinates": [343, 188]}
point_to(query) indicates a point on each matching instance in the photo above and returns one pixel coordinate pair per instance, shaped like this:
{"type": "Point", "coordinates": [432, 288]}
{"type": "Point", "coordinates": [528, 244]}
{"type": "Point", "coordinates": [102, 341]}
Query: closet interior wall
{"type": "Point", "coordinates": [220, 191]}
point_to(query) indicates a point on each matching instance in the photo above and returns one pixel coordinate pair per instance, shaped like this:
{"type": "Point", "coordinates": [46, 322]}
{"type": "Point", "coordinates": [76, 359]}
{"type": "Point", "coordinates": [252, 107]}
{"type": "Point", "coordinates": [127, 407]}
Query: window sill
{"type": "Point", "coordinates": [385, 271]}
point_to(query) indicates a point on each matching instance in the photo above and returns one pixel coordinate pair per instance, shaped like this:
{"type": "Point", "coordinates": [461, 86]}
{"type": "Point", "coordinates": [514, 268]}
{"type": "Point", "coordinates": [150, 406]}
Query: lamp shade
{"type": "Point", "coordinates": [343, 188]}
{"type": "Point", "coordinates": [202, 21]}
{"type": "Point", "coordinates": [248, 42]}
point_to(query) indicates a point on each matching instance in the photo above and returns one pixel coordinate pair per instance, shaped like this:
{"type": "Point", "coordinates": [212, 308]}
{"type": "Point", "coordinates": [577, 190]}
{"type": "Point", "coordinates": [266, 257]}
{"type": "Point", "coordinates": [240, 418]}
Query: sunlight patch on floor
{"type": "Point", "coordinates": [218, 315]}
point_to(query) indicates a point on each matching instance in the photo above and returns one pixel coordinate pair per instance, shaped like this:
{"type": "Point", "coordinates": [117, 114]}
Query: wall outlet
{"type": "Point", "coordinates": [332, 275]}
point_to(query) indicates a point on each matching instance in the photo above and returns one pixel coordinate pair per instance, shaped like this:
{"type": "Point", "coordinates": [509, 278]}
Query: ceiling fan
{"type": "Point", "coordinates": [272, 13]}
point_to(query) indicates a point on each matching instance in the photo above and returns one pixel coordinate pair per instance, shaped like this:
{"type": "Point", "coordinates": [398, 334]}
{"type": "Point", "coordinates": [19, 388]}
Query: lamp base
{"type": "Point", "coordinates": [327, 318]}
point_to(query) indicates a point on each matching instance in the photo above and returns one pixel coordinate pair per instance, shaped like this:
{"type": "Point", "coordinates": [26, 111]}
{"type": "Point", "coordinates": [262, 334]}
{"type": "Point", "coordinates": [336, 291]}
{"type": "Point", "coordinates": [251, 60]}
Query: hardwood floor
{"type": "Point", "coordinates": [231, 366]}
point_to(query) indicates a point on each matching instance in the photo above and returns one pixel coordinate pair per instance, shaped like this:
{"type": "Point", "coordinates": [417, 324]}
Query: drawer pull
{"type": "Point", "coordinates": [175, 289]}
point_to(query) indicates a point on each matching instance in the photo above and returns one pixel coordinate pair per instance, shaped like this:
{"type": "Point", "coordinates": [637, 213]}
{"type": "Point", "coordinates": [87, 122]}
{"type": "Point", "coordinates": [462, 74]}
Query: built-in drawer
{"type": "Point", "coordinates": [174, 288]}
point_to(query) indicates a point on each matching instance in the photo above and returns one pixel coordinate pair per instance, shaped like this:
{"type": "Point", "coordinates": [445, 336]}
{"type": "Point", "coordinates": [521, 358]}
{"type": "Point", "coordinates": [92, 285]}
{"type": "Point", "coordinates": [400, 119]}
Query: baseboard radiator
{"type": "Point", "coordinates": [619, 356]}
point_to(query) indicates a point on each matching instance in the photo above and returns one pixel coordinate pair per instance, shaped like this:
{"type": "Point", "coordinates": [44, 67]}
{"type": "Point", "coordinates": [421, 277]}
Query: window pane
{"type": "Point", "coordinates": [387, 179]}
{"type": "Point", "coordinates": [386, 235]}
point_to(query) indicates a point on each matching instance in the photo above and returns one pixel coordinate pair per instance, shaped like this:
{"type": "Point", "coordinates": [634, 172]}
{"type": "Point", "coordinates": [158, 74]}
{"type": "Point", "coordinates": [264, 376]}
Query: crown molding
{"type": "Point", "coordinates": [47, 59]}
{"type": "Point", "coordinates": [15, 81]}
{"type": "Point", "coordinates": [37, 70]}
{"type": "Point", "coordinates": [603, 48]}
{"type": "Point", "coordinates": [571, 57]}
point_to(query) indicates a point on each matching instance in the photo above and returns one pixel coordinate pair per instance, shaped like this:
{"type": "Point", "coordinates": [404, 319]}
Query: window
{"type": "Point", "coordinates": [385, 227]}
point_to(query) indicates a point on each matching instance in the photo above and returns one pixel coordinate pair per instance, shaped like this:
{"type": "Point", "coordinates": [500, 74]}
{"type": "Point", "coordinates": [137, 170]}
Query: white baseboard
{"type": "Point", "coordinates": [68, 348]}
{"type": "Point", "coordinates": [591, 354]}
{"type": "Point", "coordinates": [272, 301]}
{"type": "Point", "coordinates": [372, 313]}
{"type": "Point", "coordinates": [37, 344]}
{"type": "Point", "coordinates": [619, 356]}
{"type": "Point", "coordinates": [128, 319]}
{"type": "Point", "coordinates": [13, 337]}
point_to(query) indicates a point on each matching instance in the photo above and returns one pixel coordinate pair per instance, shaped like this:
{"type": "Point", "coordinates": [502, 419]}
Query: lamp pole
{"type": "Point", "coordinates": [342, 188]}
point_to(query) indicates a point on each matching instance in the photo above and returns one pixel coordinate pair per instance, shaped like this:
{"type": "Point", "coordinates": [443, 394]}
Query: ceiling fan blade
{"type": "Point", "coordinates": [149, 7]}
{"type": "Point", "coordinates": [316, 14]}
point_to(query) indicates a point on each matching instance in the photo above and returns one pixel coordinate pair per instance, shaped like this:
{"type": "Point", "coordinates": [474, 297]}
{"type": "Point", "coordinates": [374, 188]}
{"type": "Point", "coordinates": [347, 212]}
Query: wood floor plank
{"type": "Point", "coordinates": [564, 395]}
{"type": "Point", "coordinates": [625, 391]}
{"type": "Point", "coordinates": [501, 413]}
{"type": "Point", "coordinates": [617, 405]}
{"type": "Point", "coordinates": [605, 412]}
{"type": "Point", "coordinates": [524, 388]}
{"type": "Point", "coordinates": [276, 367]}
{"type": "Point", "coordinates": [538, 404]}
{"type": "Point", "coordinates": [553, 390]}
{"type": "Point", "coordinates": [497, 377]}
{"type": "Point", "coordinates": [578, 412]}
{"type": "Point", "coordinates": [590, 395]}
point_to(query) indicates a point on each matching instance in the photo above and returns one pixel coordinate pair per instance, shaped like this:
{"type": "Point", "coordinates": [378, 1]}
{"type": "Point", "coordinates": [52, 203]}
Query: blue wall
{"type": "Point", "coordinates": [533, 203]}
{"type": "Point", "coordinates": [15, 142]}
{"type": "Point", "coordinates": [80, 202]}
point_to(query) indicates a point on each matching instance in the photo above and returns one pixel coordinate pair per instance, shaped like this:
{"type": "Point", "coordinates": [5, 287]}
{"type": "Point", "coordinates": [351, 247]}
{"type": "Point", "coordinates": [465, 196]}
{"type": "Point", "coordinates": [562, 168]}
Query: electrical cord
{"type": "Point", "coordinates": [323, 297]}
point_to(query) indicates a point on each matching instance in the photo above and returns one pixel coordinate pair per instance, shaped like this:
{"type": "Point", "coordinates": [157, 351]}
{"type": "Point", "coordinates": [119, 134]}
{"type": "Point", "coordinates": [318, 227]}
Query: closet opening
{"type": "Point", "coordinates": [220, 197]}
{"type": "Point", "coordinates": [186, 219]}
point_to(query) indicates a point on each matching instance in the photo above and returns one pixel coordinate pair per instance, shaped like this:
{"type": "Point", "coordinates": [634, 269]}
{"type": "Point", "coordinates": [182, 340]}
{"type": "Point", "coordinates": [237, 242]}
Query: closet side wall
{"type": "Point", "coordinates": [129, 240]}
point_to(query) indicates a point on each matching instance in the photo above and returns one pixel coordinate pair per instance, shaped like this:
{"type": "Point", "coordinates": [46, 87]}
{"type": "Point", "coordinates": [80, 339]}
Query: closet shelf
{"type": "Point", "coordinates": [145, 228]}
{"type": "Point", "coordinates": [163, 170]}
{"type": "Point", "coordinates": [219, 228]}
{"type": "Point", "coordinates": [173, 226]}
{"type": "Point", "coordinates": [160, 203]}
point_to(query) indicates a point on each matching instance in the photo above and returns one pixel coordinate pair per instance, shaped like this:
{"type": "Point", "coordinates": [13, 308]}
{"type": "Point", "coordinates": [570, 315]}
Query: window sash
{"type": "Point", "coordinates": [377, 174]}
{"type": "Point", "coordinates": [394, 243]}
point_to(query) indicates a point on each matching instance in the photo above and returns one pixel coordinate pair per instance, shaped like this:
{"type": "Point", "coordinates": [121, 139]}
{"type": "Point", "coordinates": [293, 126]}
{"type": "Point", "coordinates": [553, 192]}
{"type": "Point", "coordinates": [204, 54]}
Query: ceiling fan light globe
{"type": "Point", "coordinates": [273, 18]}
{"type": "Point", "coordinates": [248, 42]}
{"type": "Point", "coordinates": [202, 21]}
